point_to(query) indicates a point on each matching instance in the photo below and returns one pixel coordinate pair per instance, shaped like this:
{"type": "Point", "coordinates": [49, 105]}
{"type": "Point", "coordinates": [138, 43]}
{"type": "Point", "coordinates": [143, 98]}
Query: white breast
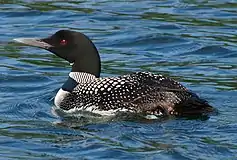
{"type": "Point", "coordinates": [60, 97]}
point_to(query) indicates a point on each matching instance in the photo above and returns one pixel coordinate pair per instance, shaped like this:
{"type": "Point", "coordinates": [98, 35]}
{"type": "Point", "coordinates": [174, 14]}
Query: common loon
{"type": "Point", "coordinates": [141, 92]}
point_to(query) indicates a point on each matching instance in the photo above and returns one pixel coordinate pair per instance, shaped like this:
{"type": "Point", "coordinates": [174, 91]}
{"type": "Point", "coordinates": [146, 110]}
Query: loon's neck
{"type": "Point", "coordinates": [87, 60]}
{"type": "Point", "coordinates": [82, 77]}
{"type": "Point", "coordinates": [76, 78]}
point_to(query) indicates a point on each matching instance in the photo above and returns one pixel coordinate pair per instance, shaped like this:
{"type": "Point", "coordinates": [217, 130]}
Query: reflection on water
{"type": "Point", "coordinates": [191, 41]}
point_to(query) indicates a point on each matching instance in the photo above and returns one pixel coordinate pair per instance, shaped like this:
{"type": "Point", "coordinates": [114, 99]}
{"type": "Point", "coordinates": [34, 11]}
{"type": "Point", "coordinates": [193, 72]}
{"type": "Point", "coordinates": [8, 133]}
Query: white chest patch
{"type": "Point", "coordinates": [60, 97]}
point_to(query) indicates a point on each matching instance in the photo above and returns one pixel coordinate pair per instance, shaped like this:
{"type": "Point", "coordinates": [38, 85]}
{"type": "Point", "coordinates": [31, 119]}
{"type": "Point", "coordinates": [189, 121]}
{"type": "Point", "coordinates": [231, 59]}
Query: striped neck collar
{"type": "Point", "coordinates": [81, 77]}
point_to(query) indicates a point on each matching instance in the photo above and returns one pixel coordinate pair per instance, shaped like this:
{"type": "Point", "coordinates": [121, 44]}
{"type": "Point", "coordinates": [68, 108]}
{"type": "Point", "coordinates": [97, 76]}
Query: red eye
{"type": "Point", "coordinates": [63, 42]}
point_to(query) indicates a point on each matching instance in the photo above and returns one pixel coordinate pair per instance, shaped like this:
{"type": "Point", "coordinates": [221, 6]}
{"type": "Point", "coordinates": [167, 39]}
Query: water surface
{"type": "Point", "coordinates": [191, 41]}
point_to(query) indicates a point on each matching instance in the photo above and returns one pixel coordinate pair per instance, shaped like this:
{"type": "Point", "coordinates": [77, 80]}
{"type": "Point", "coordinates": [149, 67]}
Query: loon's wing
{"type": "Point", "coordinates": [166, 95]}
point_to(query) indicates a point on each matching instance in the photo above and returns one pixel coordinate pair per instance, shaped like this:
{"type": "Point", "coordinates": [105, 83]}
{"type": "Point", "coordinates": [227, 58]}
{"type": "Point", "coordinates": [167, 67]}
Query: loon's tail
{"type": "Point", "coordinates": [194, 106]}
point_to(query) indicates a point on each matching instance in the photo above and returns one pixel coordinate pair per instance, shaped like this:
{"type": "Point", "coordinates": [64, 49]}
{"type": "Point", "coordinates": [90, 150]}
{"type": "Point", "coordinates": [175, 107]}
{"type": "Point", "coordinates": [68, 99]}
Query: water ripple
{"type": "Point", "coordinates": [191, 41]}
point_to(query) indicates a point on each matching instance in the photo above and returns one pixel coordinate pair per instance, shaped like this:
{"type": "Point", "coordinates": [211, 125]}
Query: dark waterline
{"type": "Point", "coordinates": [191, 41]}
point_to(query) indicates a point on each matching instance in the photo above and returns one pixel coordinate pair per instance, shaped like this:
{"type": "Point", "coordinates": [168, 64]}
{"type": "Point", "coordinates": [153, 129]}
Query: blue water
{"type": "Point", "coordinates": [194, 42]}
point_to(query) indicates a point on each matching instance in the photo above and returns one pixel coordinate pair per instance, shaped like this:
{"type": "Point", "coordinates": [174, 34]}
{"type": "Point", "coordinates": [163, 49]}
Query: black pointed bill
{"type": "Point", "coordinates": [33, 42]}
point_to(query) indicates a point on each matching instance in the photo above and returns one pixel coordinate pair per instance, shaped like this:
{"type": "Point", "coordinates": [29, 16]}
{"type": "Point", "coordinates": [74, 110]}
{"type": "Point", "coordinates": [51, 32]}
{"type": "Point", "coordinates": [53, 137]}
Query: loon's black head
{"type": "Point", "coordinates": [72, 46]}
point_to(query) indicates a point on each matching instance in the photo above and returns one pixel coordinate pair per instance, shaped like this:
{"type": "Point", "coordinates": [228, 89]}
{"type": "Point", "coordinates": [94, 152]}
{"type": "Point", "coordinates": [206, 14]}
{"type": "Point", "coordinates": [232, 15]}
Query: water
{"type": "Point", "coordinates": [191, 41]}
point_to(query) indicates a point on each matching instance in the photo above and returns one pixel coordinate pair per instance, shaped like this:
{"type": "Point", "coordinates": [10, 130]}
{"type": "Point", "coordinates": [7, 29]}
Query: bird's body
{"type": "Point", "coordinates": [140, 92]}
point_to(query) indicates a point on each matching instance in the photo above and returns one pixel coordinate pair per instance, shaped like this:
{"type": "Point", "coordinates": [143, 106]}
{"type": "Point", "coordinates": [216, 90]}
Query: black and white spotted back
{"type": "Point", "coordinates": [139, 92]}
